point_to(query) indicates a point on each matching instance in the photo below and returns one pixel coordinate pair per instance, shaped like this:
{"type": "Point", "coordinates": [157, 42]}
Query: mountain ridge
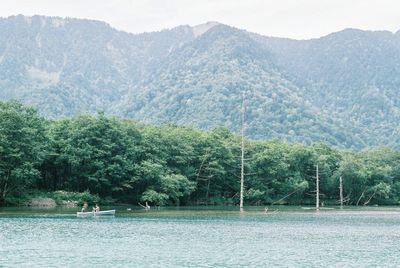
{"type": "Point", "coordinates": [340, 88]}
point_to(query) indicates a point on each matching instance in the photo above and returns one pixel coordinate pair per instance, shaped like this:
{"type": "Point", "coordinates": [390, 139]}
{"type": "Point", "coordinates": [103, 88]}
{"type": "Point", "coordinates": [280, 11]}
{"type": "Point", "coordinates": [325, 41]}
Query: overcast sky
{"type": "Point", "coordinates": [300, 19]}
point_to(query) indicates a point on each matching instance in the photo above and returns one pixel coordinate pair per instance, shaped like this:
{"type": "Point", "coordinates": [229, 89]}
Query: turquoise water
{"type": "Point", "coordinates": [201, 238]}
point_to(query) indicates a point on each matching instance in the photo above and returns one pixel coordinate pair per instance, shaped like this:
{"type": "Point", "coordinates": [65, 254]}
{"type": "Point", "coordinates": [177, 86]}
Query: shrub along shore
{"type": "Point", "coordinates": [114, 160]}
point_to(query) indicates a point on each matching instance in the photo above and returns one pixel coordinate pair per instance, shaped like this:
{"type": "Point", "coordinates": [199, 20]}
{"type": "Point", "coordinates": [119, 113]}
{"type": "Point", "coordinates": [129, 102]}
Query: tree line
{"type": "Point", "coordinates": [123, 161]}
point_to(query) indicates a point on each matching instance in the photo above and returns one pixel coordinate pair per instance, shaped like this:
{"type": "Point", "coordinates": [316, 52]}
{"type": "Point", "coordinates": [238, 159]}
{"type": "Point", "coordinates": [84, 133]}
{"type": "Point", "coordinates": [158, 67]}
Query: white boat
{"type": "Point", "coordinates": [321, 208]}
{"type": "Point", "coordinates": [98, 213]}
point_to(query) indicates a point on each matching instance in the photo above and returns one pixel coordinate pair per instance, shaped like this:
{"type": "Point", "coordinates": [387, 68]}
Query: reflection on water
{"type": "Point", "coordinates": [203, 237]}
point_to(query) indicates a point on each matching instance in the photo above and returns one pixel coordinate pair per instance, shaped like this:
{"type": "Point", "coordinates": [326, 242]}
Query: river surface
{"type": "Point", "coordinates": [201, 238]}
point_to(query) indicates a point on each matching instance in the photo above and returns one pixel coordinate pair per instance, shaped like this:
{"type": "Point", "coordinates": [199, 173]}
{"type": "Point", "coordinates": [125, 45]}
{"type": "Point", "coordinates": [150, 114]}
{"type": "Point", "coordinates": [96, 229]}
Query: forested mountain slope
{"type": "Point", "coordinates": [341, 88]}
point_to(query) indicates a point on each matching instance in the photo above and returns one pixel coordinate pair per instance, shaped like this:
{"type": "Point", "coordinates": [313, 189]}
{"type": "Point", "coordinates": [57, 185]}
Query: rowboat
{"type": "Point", "coordinates": [321, 208]}
{"type": "Point", "coordinates": [98, 213]}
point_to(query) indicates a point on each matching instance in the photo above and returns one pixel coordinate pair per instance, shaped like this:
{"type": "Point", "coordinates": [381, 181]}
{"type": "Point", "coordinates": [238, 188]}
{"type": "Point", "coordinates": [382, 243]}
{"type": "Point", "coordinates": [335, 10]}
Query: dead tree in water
{"type": "Point", "coordinates": [341, 191]}
{"type": "Point", "coordinates": [317, 191]}
{"type": "Point", "coordinates": [146, 206]}
{"type": "Point", "coordinates": [242, 159]}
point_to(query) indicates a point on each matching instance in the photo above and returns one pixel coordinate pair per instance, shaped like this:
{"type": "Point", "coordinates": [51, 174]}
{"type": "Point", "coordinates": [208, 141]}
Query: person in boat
{"type": "Point", "coordinates": [84, 207]}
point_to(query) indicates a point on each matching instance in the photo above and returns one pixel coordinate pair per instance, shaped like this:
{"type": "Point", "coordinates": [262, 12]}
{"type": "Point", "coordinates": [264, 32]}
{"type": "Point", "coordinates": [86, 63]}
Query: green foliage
{"type": "Point", "coordinates": [254, 196]}
{"type": "Point", "coordinates": [21, 148]}
{"type": "Point", "coordinates": [80, 198]}
{"type": "Point", "coordinates": [156, 198]}
{"type": "Point", "coordinates": [176, 186]}
{"type": "Point", "coordinates": [98, 158]}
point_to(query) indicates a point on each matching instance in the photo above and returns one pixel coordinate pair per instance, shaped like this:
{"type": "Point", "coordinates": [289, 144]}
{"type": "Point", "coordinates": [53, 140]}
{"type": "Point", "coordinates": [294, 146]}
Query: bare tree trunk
{"type": "Point", "coordinates": [208, 189]}
{"type": "Point", "coordinates": [242, 176]}
{"type": "Point", "coordinates": [341, 191]}
{"type": "Point", "coordinates": [242, 160]}
{"type": "Point", "coordinates": [317, 195]}
{"type": "Point", "coordinates": [369, 199]}
{"type": "Point", "coordinates": [361, 196]}
{"type": "Point", "coordinates": [5, 187]}
{"type": "Point", "coordinates": [4, 190]}
{"type": "Point", "coordinates": [201, 167]}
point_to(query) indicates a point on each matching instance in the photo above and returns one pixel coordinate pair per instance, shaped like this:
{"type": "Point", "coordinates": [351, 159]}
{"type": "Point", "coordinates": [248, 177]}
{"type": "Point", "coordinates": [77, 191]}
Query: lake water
{"type": "Point", "coordinates": [201, 238]}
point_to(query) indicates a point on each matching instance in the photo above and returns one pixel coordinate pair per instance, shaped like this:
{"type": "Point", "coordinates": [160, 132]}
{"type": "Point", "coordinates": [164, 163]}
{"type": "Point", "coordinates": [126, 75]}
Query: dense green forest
{"type": "Point", "coordinates": [122, 161]}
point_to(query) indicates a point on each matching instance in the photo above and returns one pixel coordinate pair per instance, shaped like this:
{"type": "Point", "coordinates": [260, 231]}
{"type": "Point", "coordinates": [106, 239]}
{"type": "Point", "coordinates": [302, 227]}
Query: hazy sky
{"type": "Point", "coordinates": [298, 19]}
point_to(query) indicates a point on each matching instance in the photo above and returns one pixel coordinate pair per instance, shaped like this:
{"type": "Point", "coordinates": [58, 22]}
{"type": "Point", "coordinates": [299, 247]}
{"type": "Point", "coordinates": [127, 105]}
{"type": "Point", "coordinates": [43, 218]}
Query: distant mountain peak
{"type": "Point", "coordinates": [350, 33]}
{"type": "Point", "coordinates": [202, 28]}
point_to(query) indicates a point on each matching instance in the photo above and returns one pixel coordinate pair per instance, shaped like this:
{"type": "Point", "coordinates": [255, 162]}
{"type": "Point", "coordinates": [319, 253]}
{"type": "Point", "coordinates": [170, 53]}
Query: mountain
{"type": "Point", "coordinates": [341, 88]}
